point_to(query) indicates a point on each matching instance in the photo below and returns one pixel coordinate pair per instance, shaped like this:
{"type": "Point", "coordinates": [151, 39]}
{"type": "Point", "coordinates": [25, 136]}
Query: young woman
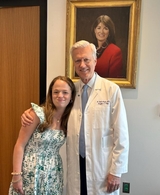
{"type": "Point", "coordinates": [109, 55]}
{"type": "Point", "coordinates": [37, 165]}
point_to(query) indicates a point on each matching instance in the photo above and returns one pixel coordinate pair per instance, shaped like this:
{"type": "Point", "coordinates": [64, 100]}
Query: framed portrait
{"type": "Point", "coordinates": [113, 27]}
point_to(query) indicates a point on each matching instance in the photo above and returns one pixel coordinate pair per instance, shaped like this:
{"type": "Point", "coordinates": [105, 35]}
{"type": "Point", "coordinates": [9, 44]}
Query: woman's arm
{"type": "Point", "coordinates": [24, 135]}
{"type": "Point", "coordinates": [116, 64]}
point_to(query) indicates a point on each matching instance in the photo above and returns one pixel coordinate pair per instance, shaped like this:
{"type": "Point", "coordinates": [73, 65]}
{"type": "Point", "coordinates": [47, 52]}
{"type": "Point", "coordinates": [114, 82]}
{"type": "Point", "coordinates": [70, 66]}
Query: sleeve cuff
{"type": "Point", "coordinates": [117, 175]}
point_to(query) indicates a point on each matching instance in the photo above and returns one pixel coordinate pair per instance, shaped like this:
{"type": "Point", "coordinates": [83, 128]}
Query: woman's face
{"type": "Point", "coordinates": [61, 94]}
{"type": "Point", "coordinates": [101, 32]}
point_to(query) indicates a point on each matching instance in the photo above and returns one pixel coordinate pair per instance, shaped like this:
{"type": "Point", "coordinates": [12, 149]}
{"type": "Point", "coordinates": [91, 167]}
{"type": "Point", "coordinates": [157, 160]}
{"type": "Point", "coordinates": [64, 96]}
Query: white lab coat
{"type": "Point", "coordinates": [106, 138]}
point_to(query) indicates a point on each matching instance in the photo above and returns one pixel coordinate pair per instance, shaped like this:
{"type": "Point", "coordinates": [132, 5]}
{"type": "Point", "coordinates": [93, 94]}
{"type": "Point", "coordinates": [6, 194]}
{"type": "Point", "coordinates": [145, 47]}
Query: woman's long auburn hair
{"type": "Point", "coordinates": [49, 107]}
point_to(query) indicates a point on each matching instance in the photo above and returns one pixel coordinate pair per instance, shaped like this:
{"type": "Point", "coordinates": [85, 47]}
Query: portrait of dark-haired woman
{"type": "Point", "coordinates": [109, 55]}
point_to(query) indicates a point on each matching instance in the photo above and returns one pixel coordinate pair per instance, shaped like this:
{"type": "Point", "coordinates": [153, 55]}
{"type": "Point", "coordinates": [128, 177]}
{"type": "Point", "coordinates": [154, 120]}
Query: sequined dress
{"type": "Point", "coordinates": [42, 164]}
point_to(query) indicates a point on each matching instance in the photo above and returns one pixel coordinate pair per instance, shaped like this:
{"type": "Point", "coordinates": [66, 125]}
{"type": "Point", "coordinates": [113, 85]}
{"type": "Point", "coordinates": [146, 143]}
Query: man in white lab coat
{"type": "Point", "coordinates": [105, 131]}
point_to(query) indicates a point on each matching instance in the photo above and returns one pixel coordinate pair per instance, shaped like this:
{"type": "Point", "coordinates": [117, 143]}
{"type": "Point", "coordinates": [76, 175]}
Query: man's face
{"type": "Point", "coordinates": [84, 63]}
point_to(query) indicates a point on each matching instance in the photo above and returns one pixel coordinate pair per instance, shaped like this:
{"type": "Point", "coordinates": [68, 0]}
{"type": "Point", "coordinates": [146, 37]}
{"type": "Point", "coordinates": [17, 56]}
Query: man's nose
{"type": "Point", "coordinates": [82, 63]}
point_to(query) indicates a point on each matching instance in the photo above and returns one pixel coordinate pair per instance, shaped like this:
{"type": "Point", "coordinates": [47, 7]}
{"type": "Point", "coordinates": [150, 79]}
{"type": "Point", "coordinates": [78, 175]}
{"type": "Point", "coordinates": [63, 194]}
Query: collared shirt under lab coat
{"type": "Point", "coordinates": [106, 138]}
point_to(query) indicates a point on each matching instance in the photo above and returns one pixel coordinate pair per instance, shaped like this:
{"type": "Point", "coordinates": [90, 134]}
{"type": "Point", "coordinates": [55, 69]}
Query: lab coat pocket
{"type": "Point", "coordinates": [107, 141]}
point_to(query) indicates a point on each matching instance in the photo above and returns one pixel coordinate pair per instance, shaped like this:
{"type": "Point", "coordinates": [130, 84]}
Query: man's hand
{"type": "Point", "coordinates": [113, 183]}
{"type": "Point", "coordinates": [26, 118]}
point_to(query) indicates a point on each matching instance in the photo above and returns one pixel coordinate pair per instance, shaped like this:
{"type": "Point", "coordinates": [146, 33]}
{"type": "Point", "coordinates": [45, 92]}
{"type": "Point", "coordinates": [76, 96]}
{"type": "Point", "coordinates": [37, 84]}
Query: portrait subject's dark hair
{"type": "Point", "coordinates": [106, 20]}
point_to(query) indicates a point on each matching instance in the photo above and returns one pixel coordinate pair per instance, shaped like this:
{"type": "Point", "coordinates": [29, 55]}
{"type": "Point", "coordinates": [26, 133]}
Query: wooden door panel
{"type": "Point", "coordinates": [19, 77]}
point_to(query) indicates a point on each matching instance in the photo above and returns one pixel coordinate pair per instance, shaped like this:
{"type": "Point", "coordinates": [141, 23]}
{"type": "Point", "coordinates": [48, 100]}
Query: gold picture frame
{"type": "Point", "coordinates": [126, 16]}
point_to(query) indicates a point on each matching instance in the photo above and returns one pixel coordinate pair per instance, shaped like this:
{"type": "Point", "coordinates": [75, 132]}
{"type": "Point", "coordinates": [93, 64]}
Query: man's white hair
{"type": "Point", "coordinates": [82, 44]}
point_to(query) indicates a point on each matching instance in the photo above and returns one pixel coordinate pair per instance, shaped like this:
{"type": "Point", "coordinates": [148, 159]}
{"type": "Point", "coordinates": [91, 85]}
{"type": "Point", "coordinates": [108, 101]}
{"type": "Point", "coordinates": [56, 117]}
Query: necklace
{"type": "Point", "coordinates": [57, 119]}
{"type": "Point", "coordinates": [56, 123]}
{"type": "Point", "coordinates": [101, 49]}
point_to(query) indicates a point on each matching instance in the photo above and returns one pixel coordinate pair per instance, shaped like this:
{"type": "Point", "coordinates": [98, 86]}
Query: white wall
{"type": "Point", "coordinates": [141, 103]}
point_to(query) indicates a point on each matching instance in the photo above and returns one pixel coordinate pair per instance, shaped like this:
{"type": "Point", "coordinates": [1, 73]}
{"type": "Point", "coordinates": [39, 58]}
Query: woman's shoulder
{"type": "Point", "coordinates": [113, 47]}
{"type": "Point", "coordinates": [38, 111]}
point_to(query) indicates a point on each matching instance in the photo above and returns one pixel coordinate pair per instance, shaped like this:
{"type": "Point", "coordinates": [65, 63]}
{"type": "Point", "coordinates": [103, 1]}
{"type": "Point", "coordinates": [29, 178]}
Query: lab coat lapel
{"type": "Point", "coordinates": [95, 91]}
